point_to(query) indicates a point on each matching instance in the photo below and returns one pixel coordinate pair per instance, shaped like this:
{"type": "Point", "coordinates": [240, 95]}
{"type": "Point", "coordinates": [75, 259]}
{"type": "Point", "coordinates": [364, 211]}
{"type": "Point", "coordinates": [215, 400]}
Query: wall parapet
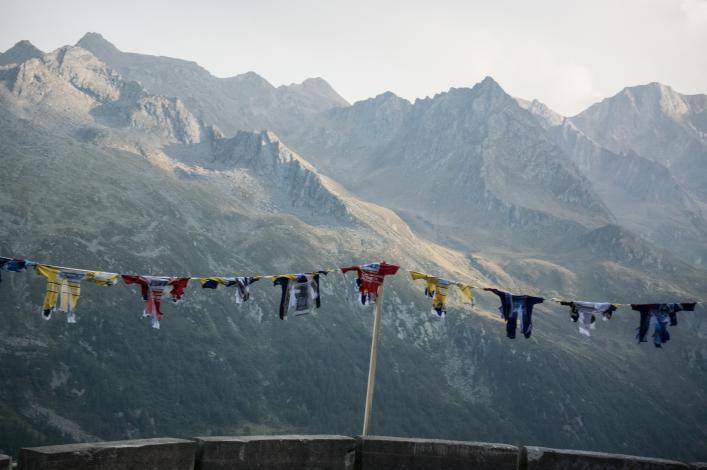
{"type": "Point", "coordinates": [322, 452]}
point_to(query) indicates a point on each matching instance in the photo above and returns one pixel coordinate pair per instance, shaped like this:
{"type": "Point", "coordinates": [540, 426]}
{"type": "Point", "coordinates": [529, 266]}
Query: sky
{"type": "Point", "coordinates": [566, 53]}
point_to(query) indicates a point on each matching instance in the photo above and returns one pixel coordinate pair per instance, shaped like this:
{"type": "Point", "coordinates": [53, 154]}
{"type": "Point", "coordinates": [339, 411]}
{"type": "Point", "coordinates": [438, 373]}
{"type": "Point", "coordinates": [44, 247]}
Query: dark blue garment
{"type": "Point", "coordinates": [14, 265]}
{"type": "Point", "coordinates": [663, 314]}
{"type": "Point", "coordinates": [514, 306]}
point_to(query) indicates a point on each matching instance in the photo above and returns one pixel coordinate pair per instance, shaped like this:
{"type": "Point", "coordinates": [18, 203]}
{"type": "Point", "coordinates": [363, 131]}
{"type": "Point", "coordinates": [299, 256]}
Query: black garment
{"type": "Point", "coordinates": [298, 292]}
{"type": "Point", "coordinates": [513, 306]}
{"type": "Point", "coordinates": [662, 314]}
{"type": "Point", "coordinates": [242, 285]}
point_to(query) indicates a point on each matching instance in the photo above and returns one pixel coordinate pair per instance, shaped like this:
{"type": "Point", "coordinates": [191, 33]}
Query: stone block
{"type": "Point", "coordinates": [148, 454]}
{"type": "Point", "coordinates": [5, 462]}
{"type": "Point", "coordinates": [295, 452]}
{"type": "Point", "coordinates": [542, 458]}
{"type": "Point", "coordinates": [387, 453]}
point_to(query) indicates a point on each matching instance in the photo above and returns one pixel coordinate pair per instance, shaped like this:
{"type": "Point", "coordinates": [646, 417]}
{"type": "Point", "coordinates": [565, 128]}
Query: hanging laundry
{"type": "Point", "coordinates": [14, 265]}
{"type": "Point", "coordinates": [514, 307]}
{"type": "Point", "coordinates": [299, 291]}
{"type": "Point", "coordinates": [369, 277]}
{"type": "Point", "coordinates": [437, 288]}
{"type": "Point", "coordinates": [152, 288]}
{"type": "Point", "coordinates": [585, 313]}
{"type": "Point", "coordinates": [64, 288]}
{"type": "Point", "coordinates": [661, 314]}
{"type": "Point", "coordinates": [242, 285]}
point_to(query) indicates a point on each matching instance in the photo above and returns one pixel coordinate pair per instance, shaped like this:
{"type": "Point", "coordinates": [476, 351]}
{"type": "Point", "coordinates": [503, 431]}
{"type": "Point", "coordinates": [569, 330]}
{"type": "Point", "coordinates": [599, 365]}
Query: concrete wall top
{"type": "Point", "coordinates": [322, 452]}
{"type": "Point", "coordinates": [153, 454]}
{"type": "Point", "coordinates": [537, 458]}
{"type": "Point", "coordinates": [295, 437]}
{"type": "Point", "coordinates": [290, 452]}
{"type": "Point", "coordinates": [5, 462]}
{"type": "Point", "coordinates": [382, 453]}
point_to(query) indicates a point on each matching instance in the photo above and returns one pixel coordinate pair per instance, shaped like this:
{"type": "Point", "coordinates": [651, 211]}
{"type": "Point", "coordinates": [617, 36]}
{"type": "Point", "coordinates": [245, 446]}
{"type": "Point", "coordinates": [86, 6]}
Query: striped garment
{"type": "Point", "coordinates": [437, 289]}
{"type": "Point", "coordinates": [64, 288]}
{"type": "Point", "coordinates": [152, 288]}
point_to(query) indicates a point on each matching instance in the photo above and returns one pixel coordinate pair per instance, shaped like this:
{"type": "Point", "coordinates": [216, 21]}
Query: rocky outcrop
{"type": "Point", "coordinates": [658, 123]}
{"type": "Point", "coordinates": [284, 175]}
{"type": "Point", "coordinates": [71, 86]}
{"type": "Point", "coordinates": [244, 102]}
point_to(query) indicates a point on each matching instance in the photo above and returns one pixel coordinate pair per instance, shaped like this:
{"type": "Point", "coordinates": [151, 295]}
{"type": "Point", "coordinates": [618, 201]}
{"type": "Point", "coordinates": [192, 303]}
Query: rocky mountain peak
{"type": "Point", "coordinates": [94, 39]}
{"type": "Point", "coordinates": [20, 52]}
{"type": "Point", "coordinates": [655, 97]}
{"type": "Point", "coordinates": [252, 81]}
{"type": "Point", "coordinates": [488, 84]}
{"type": "Point", "coordinates": [317, 86]}
{"type": "Point", "coordinates": [100, 47]}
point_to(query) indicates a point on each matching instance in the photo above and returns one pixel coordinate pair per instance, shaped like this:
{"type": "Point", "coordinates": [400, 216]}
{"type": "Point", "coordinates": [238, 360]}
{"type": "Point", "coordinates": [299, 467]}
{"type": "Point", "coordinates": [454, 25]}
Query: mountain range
{"type": "Point", "coordinates": [134, 163]}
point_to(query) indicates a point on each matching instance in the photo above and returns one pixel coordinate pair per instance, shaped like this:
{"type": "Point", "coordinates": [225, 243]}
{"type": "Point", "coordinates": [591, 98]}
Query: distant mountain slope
{"type": "Point", "coordinates": [243, 102]}
{"type": "Point", "coordinates": [658, 123]}
{"type": "Point", "coordinates": [642, 193]}
{"type": "Point", "coordinates": [468, 159]}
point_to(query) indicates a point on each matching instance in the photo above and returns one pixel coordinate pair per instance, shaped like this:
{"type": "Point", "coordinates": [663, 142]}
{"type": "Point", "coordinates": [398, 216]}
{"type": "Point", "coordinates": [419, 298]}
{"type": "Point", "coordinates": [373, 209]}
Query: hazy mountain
{"type": "Point", "coordinates": [469, 161]}
{"type": "Point", "coordinates": [243, 102]}
{"type": "Point", "coordinates": [20, 52]}
{"type": "Point", "coordinates": [658, 123]}
{"type": "Point", "coordinates": [94, 179]}
{"type": "Point", "coordinates": [69, 89]}
{"type": "Point", "coordinates": [643, 194]}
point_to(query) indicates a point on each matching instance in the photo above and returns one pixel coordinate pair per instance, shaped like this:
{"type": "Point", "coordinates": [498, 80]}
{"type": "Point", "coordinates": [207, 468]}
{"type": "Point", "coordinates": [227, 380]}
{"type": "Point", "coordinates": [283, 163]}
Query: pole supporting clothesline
{"type": "Point", "coordinates": [372, 363]}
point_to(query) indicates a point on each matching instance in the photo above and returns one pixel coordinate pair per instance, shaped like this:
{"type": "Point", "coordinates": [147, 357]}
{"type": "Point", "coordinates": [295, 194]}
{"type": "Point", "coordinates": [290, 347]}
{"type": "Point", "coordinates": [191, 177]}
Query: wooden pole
{"type": "Point", "coordinates": [372, 364]}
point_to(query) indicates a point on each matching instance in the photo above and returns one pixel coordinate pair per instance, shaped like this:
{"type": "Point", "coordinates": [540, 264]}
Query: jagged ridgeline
{"type": "Point", "coordinates": [136, 164]}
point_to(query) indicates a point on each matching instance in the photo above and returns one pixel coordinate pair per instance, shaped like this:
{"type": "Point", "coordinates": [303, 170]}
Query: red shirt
{"type": "Point", "coordinates": [369, 278]}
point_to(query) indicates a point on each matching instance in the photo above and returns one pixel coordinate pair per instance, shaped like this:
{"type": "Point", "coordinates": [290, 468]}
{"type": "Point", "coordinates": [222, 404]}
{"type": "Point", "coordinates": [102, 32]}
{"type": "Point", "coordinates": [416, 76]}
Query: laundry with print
{"type": "Point", "coordinates": [437, 288]}
{"type": "Point", "coordinates": [152, 288]}
{"type": "Point", "coordinates": [585, 313]}
{"type": "Point", "coordinates": [514, 308]}
{"type": "Point", "coordinates": [369, 278]}
{"type": "Point", "coordinates": [242, 285]}
{"type": "Point", "coordinates": [13, 265]}
{"type": "Point", "coordinates": [299, 292]}
{"type": "Point", "coordinates": [661, 315]}
{"type": "Point", "coordinates": [64, 288]}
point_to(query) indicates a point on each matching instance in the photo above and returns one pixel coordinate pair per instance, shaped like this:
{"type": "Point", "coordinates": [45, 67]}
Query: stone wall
{"type": "Point", "coordinates": [321, 453]}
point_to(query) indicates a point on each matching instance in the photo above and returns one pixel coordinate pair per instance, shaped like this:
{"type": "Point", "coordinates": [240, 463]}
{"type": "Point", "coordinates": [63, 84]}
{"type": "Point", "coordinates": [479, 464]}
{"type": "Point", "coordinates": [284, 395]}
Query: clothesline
{"type": "Point", "coordinates": [329, 270]}
{"type": "Point", "coordinates": [300, 292]}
